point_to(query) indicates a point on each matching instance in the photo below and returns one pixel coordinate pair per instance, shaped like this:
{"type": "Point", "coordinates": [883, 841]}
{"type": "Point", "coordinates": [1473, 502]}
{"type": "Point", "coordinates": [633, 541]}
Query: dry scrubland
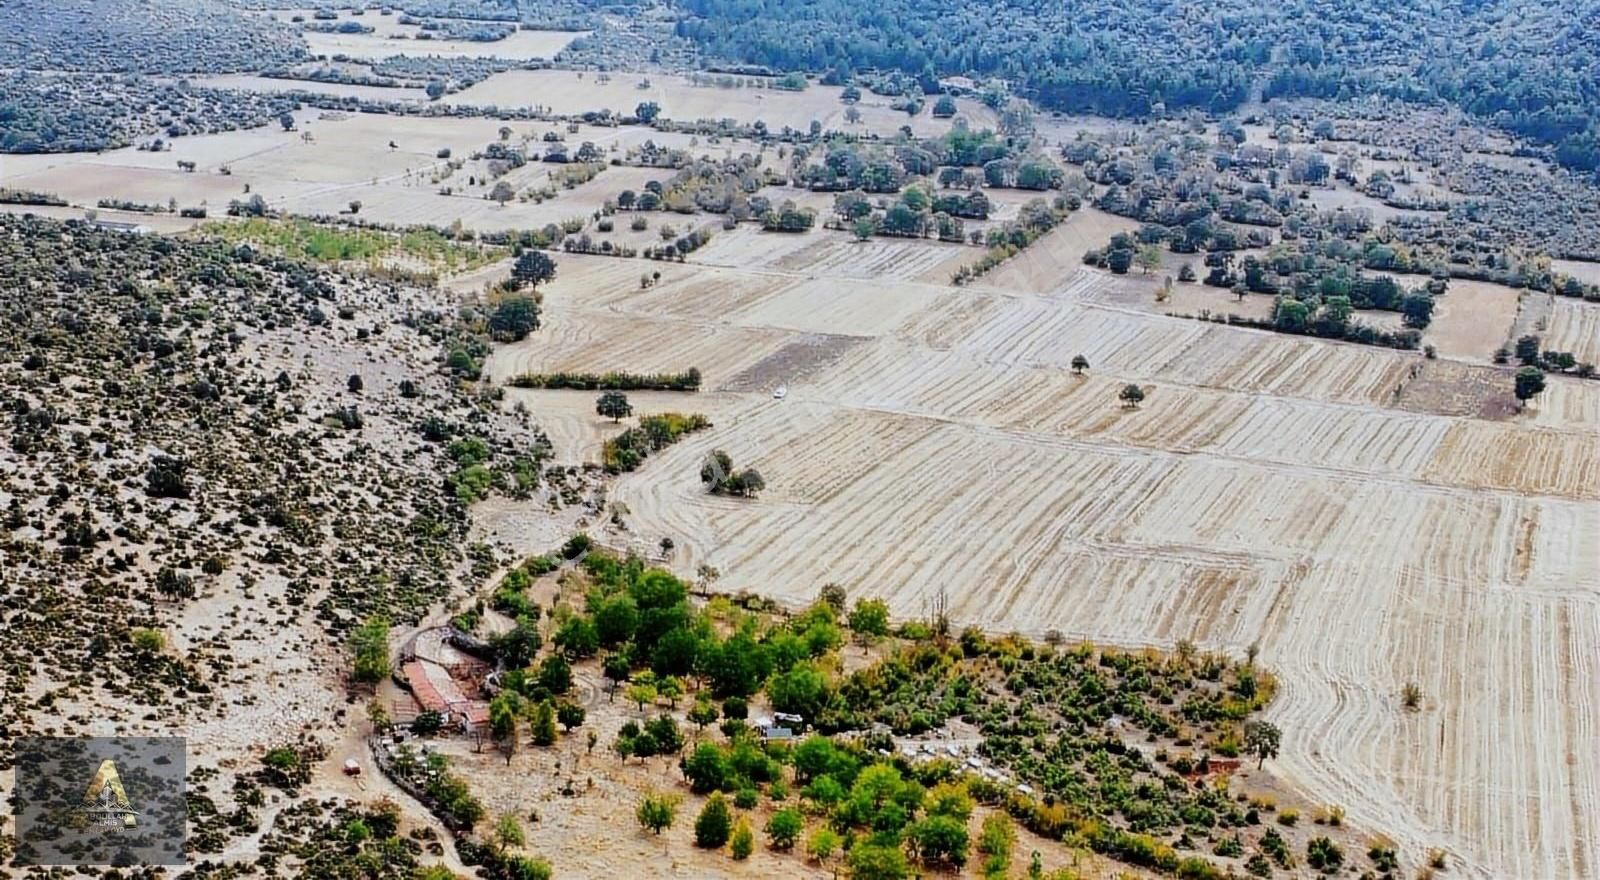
{"type": "Point", "coordinates": [1337, 504]}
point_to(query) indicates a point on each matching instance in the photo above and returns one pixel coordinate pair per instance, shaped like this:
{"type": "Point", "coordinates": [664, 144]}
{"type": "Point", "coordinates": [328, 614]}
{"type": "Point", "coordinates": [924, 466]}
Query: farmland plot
{"type": "Point", "coordinates": [1309, 496]}
{"type": "Point", "coordinates": [1575, 327]}
{"type": "Point", "coordinates": [1473, 319]}
{"type": "Point", "coordinates": [682, 100]}
{"type": "Point", "coordinates": [834, 254]}
{"type": "Point", "coordinates": [520, 46]}
{"type": "Point", "coordinates": [1057, 256]}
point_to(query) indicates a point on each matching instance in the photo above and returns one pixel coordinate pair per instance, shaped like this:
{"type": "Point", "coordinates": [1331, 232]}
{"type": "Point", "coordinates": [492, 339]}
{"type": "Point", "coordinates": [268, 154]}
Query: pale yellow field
{"type": "Point", "coordinates": [1588, 273]}
{"type": "Point", "coordinates": [401, 40]}
{"type": "Point", "coordinates": [1472, 319]}
{"type": "Point", "coordinates": [1575, 327]}
{"type": "Point", "coordinates": [933, 441]}
{"type": "Point", "coordinates": [1054, 259]}
{"type": "Point", "coordinates": [681, 100]}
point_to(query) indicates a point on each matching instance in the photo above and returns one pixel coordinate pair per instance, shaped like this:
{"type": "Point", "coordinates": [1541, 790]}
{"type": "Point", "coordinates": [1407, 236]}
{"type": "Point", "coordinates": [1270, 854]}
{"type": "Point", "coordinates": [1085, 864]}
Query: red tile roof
{"type": "Point", "coordinates": [421, 688]}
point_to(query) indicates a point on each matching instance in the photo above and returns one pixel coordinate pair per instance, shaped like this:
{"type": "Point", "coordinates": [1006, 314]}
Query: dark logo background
{"type": "Point", "coordinates": [55, 828]}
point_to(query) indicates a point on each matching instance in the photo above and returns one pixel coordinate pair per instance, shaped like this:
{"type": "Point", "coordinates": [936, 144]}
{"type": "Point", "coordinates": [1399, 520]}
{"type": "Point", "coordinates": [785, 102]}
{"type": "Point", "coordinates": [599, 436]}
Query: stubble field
{"type": "Point", "coordinates": [1295, 493]}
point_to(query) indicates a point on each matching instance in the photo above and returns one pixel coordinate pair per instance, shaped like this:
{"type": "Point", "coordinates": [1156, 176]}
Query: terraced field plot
{"type": "Point", "coordinates": [1321, 499]}
{"type": "Point", "coordinates": [1575, 327]}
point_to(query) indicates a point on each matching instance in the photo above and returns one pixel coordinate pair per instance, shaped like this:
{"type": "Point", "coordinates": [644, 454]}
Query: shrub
{"type": "Point", "coordinates": [784, 829]}
{"type": "Point", "coordinates": [715, 823]}
{"type": "Point", "coordinates": [1324, 855]}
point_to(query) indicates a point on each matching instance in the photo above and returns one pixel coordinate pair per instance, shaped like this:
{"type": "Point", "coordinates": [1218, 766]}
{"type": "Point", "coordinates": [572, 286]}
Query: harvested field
{"type": "Point", "coordinates": [1473, 319]}
{"type": "Point", "coordinates": [1454, 388]}
{"type": "Point", "coordinates": [1344, 506]}
{"type": "Point", "coordinates": [1509, 457]}
{"type": "Point", "coordinates": [1567, 403]}
{"type": "Point", "coordinates": [749, 247]}
{"type": "Point", "coordinates": [598, 344]}
{"type": "Point", "coordinates": [1138, 291]}
{"type": "Point", "coordinates": [836, 255]}
{"type": "Point", "coordinates": [681, 100]}
{"type": "Point", "coordinates": [1575, 327]}
{"type": "Point", "coordinates": [520, 46]}
{"type": "Point", "coordinates": [1587, 272]}
{"type": "Point", "coordinates": [1054, 259]}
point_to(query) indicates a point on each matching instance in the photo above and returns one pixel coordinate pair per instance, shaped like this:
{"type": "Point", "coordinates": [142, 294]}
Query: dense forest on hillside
{"type": "Point", "coordinates": [1531, 70]}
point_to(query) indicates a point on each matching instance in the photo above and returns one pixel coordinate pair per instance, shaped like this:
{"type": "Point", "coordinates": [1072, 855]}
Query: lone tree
{"type": "Point", "coordinates": [613, 405]}
{"type": "Point", "coordinates": [1530, 381]}
{"type": "Point", "coordinates": [1079, 364]}
{"type": "Point", "coordinates": [533, 268]}
{"type": "Point", "coordinates": [503, 711]}
{"type": "Point", "coordinates": [1131, 396]}
{"type": "Point", "coordinates": [508, 833]}
{"type": "Point", "coordinates": [1148, 258]}
{"type": "Point", "coordinates": [1261, 738]}
{"type": "Point", "coordinates": [543, 724]}
{"type": "Point", "coordinates": [502, 193]}
{"type": "Point", "coordinates": [657, 811]}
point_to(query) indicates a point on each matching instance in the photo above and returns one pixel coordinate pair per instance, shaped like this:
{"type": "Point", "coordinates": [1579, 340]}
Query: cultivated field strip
{"type": "Point", "coordinates": [1555, 549]}
{"type": "Point", "coordinates": [590, 281]}
{"type": "Point", "coordinates": [1510, 457]}
{"type": "Point", "coordinates": [834, 255]}
{"type": "Point", "coordinates": [855, 308]}
{"type": "Point", "coordinates": [1575, 327]}
{"type": "Point", "coordinates": [598, 342]}
{"type": "Point", "coordinates": [704, 295]}
{"type": "Point", "coordinates": [1567, 404]}
{"type": "Point", "coordinates": [748, 247]}
{"type": "Point", "coordinates": [1056, 258]}
{"type": "Point", "coordinates": [1500, 765]}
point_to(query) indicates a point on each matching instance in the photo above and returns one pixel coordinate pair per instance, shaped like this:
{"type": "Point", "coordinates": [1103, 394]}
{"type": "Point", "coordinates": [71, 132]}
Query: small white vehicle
{"type": "Point", "coordinates": [780, 392]}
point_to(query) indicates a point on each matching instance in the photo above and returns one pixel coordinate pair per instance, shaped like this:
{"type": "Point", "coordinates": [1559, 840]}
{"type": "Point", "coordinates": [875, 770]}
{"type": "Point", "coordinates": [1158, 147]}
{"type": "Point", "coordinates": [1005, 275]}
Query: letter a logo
{"type": "Point", "coordinates": [105, 803]}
